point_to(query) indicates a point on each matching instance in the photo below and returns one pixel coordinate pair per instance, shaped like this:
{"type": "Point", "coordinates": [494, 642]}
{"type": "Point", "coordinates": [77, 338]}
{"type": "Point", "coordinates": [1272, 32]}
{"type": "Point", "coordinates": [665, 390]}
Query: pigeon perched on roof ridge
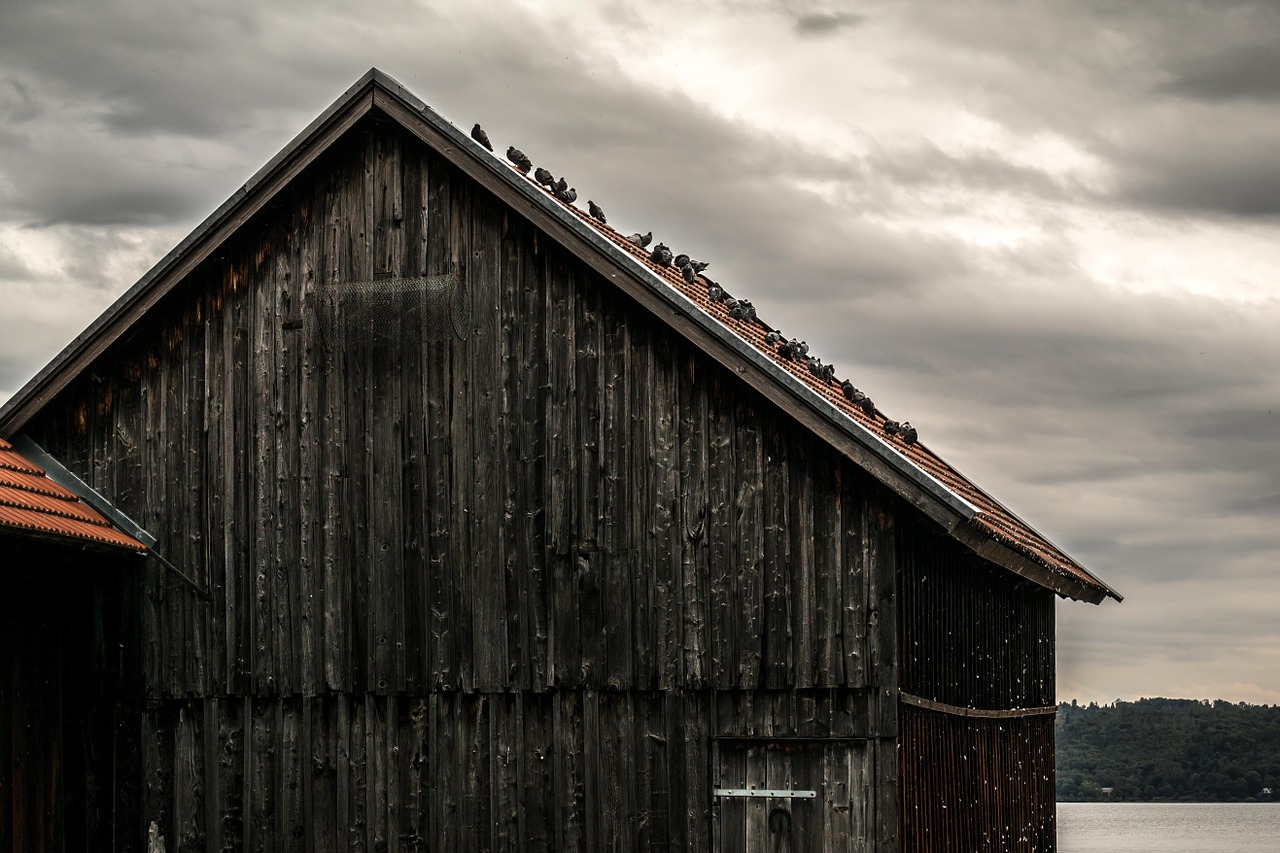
{"type": "Point", "coordinates": [478, 134]}
{"type": "Point", "coordinates": [641, 240]}
{"type": "Point", "coordinates": [687, 272]}
{"type": "Point", "coordinates": [681, 260]}
{"type": "Point", "coordinates": [661, 255]}
{"type": "Point", "coordinates": [518, 157]}
{"type": "Point", "coordinates": [544, 177]}
{"type": "Point", "coordinates": [596, 212]}
{"type": "Point", "coordinates": [908, 433]}
{"type": "Point", "coordinates": [568, 196]}
{"type": "Point", "coordinates": [699, 266]}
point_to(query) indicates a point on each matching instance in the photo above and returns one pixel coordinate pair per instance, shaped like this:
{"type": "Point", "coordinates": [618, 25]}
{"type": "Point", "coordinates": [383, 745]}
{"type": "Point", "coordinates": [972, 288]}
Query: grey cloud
{"type": "Point", "coordinates": [825, 23]}
{"type": "Point", "coordinates": [1242, 72]}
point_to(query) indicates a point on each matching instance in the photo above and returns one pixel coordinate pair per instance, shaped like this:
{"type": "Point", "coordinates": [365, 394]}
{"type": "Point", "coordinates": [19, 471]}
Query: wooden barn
{"type": "Point", "coordinates": [489, 532]}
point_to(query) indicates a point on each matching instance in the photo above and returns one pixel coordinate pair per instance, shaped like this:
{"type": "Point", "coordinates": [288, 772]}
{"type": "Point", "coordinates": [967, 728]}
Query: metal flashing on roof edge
{"type": "Point", "coordinates": [55, 471]}
{"type": "Point", "coordinates": [58, 473]}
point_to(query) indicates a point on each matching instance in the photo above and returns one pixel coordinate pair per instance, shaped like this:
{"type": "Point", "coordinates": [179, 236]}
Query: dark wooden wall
{"type": "Point", "coordinates": [974, 636]}
{"type": "Point", "coordinates": [63, 616]}
{"type": "Point", "coordinates": [558, 540]}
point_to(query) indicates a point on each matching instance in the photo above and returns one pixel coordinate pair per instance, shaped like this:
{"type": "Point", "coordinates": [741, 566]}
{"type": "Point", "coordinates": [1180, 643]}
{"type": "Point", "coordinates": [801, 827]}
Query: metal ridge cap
{"type": "Point", "coordinates": [676, 299]}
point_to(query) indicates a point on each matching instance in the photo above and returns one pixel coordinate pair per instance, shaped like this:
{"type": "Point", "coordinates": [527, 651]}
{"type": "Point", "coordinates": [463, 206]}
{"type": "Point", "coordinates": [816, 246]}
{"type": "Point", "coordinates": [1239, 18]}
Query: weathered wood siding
{"type": "Point", "coordinates": [502, 566]}
{"type": "Point", "coordinates": [974, 636]}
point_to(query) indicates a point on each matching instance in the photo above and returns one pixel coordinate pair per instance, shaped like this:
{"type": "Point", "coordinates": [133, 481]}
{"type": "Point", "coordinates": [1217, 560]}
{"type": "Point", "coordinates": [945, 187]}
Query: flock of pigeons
{"type": "Point", "coordinates": [692, 271]}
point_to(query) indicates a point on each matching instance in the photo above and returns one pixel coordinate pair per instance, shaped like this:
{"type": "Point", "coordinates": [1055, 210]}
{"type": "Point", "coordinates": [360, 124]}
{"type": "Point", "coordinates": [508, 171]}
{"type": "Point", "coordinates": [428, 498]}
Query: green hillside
{"type": "Point", "coordinates": [1168, 750]}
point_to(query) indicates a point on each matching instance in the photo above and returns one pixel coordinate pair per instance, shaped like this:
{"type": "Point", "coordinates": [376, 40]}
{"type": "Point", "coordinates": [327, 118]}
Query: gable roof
{"type": "Point", "coordinates": [33, 505]}
{"type": "Point", "coordinates": [912, 471]}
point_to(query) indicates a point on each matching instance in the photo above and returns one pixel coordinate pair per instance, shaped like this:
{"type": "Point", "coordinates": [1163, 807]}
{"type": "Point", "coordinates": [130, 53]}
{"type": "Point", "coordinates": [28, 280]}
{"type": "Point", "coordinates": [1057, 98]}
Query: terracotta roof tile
{"type": "Point", "coordinates": [992, 517]}
{"type": "Point", "coordinates": [31, 502]}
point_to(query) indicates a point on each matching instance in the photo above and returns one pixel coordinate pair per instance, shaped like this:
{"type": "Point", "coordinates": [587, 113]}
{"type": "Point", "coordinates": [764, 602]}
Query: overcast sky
{"type": "Point", "coordinates": [1045, 233]}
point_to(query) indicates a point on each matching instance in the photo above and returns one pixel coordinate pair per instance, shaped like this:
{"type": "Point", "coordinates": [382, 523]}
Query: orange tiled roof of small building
{"type": "Point", "coordinates": [32, 503]}
{"type": "Point", "coordinates": [991, 517]}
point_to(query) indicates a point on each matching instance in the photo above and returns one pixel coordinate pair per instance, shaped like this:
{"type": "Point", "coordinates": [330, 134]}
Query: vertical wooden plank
{"type": "Point", "coordinates": [665, 532]}
{"type": "Point", "coordinates": [415, 575]}
{"type": "Point", "coordinates": [539, 800]}
{"type": "Point", "coordinates": [800, 479]}
{"type": "Point", "coordinates": [413, 761]}
{"type": "Point", "coordinates": [748, 537]}
{"type": "Point", "coordinates": [264, 393]}
{"type": "Point", "coordinates": [505, 727]}
{"type": "Point", "coordinates": [619, 483]}
{"type": "Point", "coordinates": [697, 717]}
{"type": "Point", "coordinates": [591, 559]}
{"type": "Point", "coordinates": [569, 767]}
{"type": "Point", "coordinates": [694, 515]}
{"type": "Point", "coordinates": [361, 820]}
{"type": "Point", "coordinates": [445, 650]}
{"type": "Point", "coordinates": [487, 598]}
{"type": "Point", "coordinates": [513, 438]}
{"type": "Point", "coordinates": [188, 779]}
{"type": "Point", "coordinates": [291, 817]}
{"type": "Point", "coordinates": [565, 645]}
{"type": "Point", "coordinates": [335, 266]}
{"type": "Point", "coordinates": [778, 664]}
{"type": "Point", "coordinates": [308, 351]}
{"type": "Point", "coordinates": [855, 575]}
{"type": "Point", "coordinates": [530, 375]}
{"type": "Point", "coordinates": [462, 437]}
{"type": "Point", "coordinates": [827, 573]}
{"type": "Point", "coordinates": [723, 477]}
{"type": "Point", "coordinates": [593, 771]}
{"type": "Point", "coordinates": [262, 795]}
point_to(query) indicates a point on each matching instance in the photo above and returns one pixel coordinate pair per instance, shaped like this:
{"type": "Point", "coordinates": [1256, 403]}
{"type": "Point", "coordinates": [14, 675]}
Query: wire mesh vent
{"type": "Point", "coordinates": [387, 311]}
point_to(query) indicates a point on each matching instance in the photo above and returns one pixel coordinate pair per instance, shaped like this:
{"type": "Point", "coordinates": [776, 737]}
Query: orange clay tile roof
{"type": "Point", "coordinates": [32, 503]}
{"type": "Point", "coordinates": [992, 518]}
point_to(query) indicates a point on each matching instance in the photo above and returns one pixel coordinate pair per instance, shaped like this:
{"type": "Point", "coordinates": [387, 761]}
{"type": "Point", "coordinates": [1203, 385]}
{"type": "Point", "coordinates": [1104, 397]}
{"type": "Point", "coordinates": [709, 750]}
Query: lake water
{"type": "Point", "coordinates": [1168, 827]}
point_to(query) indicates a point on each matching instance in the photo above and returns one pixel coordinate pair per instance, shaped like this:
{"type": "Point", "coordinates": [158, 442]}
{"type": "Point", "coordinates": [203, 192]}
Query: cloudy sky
{"type": "Point", "coordinates": [1045, 233]}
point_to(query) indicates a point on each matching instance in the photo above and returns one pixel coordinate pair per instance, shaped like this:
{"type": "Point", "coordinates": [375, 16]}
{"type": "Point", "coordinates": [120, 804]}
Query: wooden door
{"type": "Point", "coordinates": [797, 796]}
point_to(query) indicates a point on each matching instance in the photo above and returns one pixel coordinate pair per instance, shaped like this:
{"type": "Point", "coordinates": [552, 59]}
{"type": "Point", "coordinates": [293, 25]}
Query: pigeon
{"type": "Point", "coordinates": [908, 433]}
{"type": "Point", "coordinates": [570, 195]}
{"type": "Point", "coordinates": [828, 373]}
{"type": "Point", "coordinates": [661, 255]}
{"type": "Point", "coordinates": [714, 291]}
{"type": "Point", "coordinates": [802, 347]}
{"type": "Point", "coordinates": [786, 350]}
{"type": "Point", "coordinates": [730, 303]}
{"type": "Point", "coordinates": [682, 261]}
{"type": "Point", "coordinates": [516, 156]}
{"type": "Point", "coordinates": [478, 134]}
{"type": "Point", "coordinates": [544, 177]}
{"type": "Point", "coordinates": [699, 266]}
{"type": "Point", "coordinates": [751, 310]}
{"type": "Point", "coordinates": [641, 240]}
{"type": "Point", "coordinates": [688, 273]}
{"type": "Point", "coordinates": [773, 338]}
{"type": "Point", "coordinates": [891, 427]}
{"type": "Point", "coordinates": [560, 186]}
{"type": "Point", "coordinates": [596, 212]}
{"type": "Point", "coordinates": [815, 366]}
{"type": "Point", "coordinates": [851, 393]}
{"type": "Point", "coordinates": [868, 407]}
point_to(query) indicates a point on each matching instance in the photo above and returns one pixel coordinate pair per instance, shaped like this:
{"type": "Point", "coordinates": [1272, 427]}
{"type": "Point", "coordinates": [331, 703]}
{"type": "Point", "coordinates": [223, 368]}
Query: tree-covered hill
{"type": "Point", "coordinates": [1169, 750]}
